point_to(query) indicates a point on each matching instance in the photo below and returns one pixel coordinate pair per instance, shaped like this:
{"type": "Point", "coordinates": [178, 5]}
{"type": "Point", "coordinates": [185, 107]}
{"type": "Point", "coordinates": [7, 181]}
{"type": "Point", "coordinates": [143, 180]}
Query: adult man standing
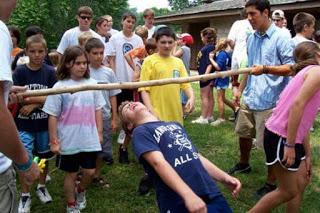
{"type": "Point", "coordinates": [270, 52]}
{"type": "Point", "coordinates": [70, 37]}
{"type": "Point", "coordinates": [10, 146]}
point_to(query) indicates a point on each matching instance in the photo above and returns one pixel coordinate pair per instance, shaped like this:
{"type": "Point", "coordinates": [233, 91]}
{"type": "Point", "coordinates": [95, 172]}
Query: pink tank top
{"type": "Point", "coordinates": [278, 122]}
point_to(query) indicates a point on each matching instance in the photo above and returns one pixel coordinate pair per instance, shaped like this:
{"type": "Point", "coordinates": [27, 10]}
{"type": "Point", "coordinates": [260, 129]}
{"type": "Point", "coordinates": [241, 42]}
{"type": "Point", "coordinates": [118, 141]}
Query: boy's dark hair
{"type": "Point", "coordinates": [127, 15]}
{"type": "Point", "coordinates": [69, 56]}
{"type": "Point", "coordinates": [302, 19]}
{"type": "Point", "coordinates": [151, 45]}
{"type": "Point", "coordinates": [260, 5]}
{"type": "Point", "coordinates": [85, 10]}
{"type": "Point", "coordinates": [210, 33]}
{"type": "Point", "coordinates": [15, 32]}
{"type": "Point", "coordinates": [93, 43]}
{"type": "Point", "coordinates": [33, 30]}
{"type": "Point", "coordinates": [147, 12]}
{"type": "Point", "coordinates": [36, 39]}
{"type": "Point", "coordinates": [304, 55]}
{"type": "Point", "coordinates": [164, 31]}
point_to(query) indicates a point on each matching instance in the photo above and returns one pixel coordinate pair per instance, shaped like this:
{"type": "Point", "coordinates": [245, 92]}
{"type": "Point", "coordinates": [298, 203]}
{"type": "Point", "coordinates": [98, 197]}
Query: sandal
{"type": "Point", "coordinates": [101, 182]}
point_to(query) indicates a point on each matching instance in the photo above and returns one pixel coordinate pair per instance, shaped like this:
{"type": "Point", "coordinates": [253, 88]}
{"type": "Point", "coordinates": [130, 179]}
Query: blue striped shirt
{"type": "Point", "coordinates": [272, 48]}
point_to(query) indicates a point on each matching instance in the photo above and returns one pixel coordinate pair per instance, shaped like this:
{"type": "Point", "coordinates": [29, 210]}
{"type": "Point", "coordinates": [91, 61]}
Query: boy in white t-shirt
{"type": "Point", "coordinates": [70, 37]}
{"type": "Point", "coordinates": [118, 46]}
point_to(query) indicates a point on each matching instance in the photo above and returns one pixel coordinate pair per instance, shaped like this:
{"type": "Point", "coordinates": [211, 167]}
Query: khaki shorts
{"type": "Point", "coordinates": [251, 124]}
{"type": "Point", "coordinates": [8, 191]}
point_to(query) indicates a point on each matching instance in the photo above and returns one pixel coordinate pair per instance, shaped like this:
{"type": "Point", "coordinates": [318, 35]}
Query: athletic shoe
{"type": "Point", "coordinates": [123, 156]}
{"type": "Point", "coordinates": [24, 204]}
{"type": "Point", "coordinates": [72, 209]}
{"type": "Point", "coordinates": [145, 185]}
{"type": "Point", "coordinates": [218, 122]}
{"type": "Point", "coordinates": [121, 137]}
{"type": "Point", "coordinates": [210, 119]}
{"type": "Point", "coordinates": [43, 195]}
{"type": "Point", "coordinates": [265, 189]}
{"type": "Point", "coordinates": [200, 120]}
{"type": "Point", "coordinates": [240, 168]}
{"type": "Point", "coordinates": [81, 200]}
{"type": "Point", "coordinates": [48, 178]}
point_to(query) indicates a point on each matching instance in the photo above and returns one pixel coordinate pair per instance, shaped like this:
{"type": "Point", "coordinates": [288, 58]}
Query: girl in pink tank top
{"type": "Point", "coordinates": [286, 137]}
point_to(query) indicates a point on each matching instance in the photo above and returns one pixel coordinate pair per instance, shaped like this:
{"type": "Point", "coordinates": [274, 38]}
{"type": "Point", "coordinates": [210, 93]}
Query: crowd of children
{"type": "Point", "coordinates": [78, 127]}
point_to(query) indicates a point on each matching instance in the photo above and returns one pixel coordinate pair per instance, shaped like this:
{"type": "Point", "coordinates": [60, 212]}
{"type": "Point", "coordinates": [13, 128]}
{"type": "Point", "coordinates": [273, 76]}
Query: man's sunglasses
{"type": "Point", "coordinates": [86, 17]}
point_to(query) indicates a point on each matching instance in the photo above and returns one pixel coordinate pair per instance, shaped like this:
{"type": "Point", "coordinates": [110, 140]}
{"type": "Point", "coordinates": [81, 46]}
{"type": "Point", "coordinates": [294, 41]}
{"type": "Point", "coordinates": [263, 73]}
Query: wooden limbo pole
{"type": "Point", "coordinates": [132, 85]}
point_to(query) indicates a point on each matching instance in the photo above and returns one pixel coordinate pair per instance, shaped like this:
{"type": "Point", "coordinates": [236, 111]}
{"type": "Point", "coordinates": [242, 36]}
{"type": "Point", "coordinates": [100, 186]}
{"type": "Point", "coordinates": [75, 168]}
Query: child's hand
{"type": "Point", "coordinates": [189, 107]}
{"type": "Point", "coordinates": [195, 204]}
{"type": "Point", "coordinates": [27, 109]}
{"type": "Point", "coordinates": [233, 184]}
{"type": "Point", "coordinates": [14, 97]}
{"type": "Point", "coordinates": [308, 168]}
{"type": "Point", "coordinates": [55, 147]}
{"type": "Point", "coordinates": [289, 156]}
{"type": "Point", "coordinates": [114, 125]}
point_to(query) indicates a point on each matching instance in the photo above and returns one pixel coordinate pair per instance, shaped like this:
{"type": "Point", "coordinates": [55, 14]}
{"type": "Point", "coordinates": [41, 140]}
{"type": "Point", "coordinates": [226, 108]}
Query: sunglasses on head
{"type": "Point", "coordinates": [86, 17]}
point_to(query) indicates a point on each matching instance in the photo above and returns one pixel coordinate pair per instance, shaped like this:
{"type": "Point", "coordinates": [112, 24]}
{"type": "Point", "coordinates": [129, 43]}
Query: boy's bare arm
{"type": "Point", "coordinates": [171, 178]}
{"type": "Point", "coordinates": [114, 113]}
{"type": "Point", "coordinates": [232, 183]}
{"type": "Point", "coordinates": [112, 61]}
{"type": "Point", "coordinates": [99, 123]}
{"type": "Point", "coordinates": [129, 60]}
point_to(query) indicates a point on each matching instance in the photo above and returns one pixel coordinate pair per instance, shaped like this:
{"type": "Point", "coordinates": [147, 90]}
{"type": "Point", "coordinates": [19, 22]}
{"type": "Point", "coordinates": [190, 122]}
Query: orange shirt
{"type": "Point", "coordinates": [15, 51]}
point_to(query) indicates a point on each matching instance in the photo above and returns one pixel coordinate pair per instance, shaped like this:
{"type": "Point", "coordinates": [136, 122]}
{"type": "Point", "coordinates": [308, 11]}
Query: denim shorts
{"type": "Point", "coordinates": [36, 143]}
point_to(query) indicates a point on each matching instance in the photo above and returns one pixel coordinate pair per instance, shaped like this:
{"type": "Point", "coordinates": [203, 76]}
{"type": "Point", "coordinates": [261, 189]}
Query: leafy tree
{"type": "Point", "coordinates": [55, 17]}
{"type": "Point", "coordinates": [181, 4]}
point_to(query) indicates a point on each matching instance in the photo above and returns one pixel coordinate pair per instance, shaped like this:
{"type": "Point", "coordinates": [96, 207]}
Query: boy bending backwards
{"type": "Point", "coordinates": [181, 175]}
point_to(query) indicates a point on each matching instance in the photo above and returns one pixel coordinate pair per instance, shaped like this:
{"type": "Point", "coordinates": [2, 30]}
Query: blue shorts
{"type": "Point", "coordinates": [36, 143]}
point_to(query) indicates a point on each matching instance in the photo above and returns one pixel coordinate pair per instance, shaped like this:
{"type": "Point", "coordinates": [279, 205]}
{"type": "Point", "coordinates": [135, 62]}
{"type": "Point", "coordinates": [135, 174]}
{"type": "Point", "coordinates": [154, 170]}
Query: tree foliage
{"type": "Point", "coordinates": [56, 16]}
{"type": "Point", "coordinates": [181, 4]}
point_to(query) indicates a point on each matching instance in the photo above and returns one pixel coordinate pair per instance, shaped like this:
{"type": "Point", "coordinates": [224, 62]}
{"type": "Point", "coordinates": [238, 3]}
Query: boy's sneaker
{"type": "Point", "coordinates": [210, 119]}
{"type": "Point", "coordinates": [43, 195]}
{"type": "Point", "coordinates": [81, 200]}
{"type": "Point", "coordinates": [121, 137]}
{"type": "Point", "coordinates": [145, 185]}
{"type": "Point", "coordinates": [218, 122]}
{"type": "Point", "coordinates": [265, 189]}
{"type": "Point", "coordinates": [123, 155]}
{"type": "Point", "coordinates": [240, 168]}
{"type": "Point", "coordinates": [72, 209]}
{"type": "Point", "coordinates": [200, 120]}
{"type": "Point", "coordinates": [24, 204]}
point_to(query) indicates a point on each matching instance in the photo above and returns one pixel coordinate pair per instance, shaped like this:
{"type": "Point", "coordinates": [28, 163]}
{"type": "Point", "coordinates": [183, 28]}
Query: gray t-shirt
{"type": "Point", "coordinates": [186, 56]}
{"type": "Point", "coordinates": [105, 75]}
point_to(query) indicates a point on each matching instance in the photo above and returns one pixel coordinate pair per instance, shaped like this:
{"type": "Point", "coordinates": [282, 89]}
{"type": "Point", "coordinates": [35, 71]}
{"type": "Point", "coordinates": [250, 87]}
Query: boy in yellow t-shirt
{"type": "Point", "coordinates": [164, 101]}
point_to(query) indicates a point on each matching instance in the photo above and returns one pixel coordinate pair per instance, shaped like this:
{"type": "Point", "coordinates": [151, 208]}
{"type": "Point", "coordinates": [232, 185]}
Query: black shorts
{"type": "Point", "coordinates": [274, 147]}
{"type": "Point", "coordinates": [72, 163]}
{"type": "Point", "coordinates": [206, 83]}
{"type": "Point", "coordinates": [125, 95]}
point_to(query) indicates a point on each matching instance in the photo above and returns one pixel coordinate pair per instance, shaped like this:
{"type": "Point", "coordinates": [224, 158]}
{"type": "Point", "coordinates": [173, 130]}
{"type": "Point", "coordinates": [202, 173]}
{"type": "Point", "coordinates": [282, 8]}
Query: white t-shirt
{"type": "Point", "coordinates": [286, 32]}
{"type": "Point", "coordinates": [151, 31]}
{"type": "Point", "coordinates": [299, 39]}
{"type": "Point", "coordinates": [77, 130]}
{"type": "Point", "coordinates": [5, 76]}
{"type": "Point", "coordinates": [113, 32]}
{"type": "Point", "coordinates": [70, 38]}
{"type": "Point", "coordinates": [239, 33]}
{"type": "Point", "coordinates": [118, 46]}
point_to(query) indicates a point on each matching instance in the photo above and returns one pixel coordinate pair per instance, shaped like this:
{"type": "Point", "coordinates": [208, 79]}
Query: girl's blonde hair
{"type": "Point", "coordinates": [221, 44]}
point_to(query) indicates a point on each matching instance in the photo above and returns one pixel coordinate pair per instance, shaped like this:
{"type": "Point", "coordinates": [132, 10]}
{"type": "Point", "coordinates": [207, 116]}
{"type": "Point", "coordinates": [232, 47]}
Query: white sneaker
{"type": "Point", "coordinates": [43, 195]}
{"type": "Point", "coordinates": [210, 119]}
{"type": "Point", "coordinates": [121, 137]}
{"type": "Point", "coordinates": [218, 122]}
{"type": "Point", "coordinates": [81, 200]}
{"type": "Point", "coordinates": [24, 204]}
{"type": "Point", "coordinates": [200, 120]}
{"type": "Point", "coordinates": [48, 178]}
{"type": "Point", "coordinates": [72, 209]}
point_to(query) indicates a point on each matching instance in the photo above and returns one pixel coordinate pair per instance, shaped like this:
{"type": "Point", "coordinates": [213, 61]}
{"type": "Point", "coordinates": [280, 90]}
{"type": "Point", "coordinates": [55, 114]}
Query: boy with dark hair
{"type": "Point", "coordinates": [164, 101]}
{"type": "Point", "coordinates": [95, 49]}
{"type": "Point", "coordinates": [181, 175]}
{"type": "Point", "coordinates": [118, 46]}
{"type": "Point", "coordinates": [303, 24]}
{"type": "Point", "coordinates": [31, 121]}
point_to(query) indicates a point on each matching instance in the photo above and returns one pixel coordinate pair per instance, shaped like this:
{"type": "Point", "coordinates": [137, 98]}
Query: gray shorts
{"type": "Point", "coordinates": [8, 191]}
{"type": "Point", "coordinates": [106, 146]}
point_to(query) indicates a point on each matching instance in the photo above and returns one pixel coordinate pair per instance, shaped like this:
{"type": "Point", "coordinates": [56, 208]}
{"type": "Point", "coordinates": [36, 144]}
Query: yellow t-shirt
{"type": "Point", "coordinates": [165, 99]}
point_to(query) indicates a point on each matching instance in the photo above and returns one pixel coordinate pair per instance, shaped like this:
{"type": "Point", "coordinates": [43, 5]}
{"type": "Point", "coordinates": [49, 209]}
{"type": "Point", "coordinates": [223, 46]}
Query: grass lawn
{"type": "Point", "coordinates": [218, 144]}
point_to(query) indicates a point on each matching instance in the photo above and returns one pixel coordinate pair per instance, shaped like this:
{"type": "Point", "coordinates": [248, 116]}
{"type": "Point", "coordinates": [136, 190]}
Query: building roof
{"type": "Point", "coordinates": [220, 6]}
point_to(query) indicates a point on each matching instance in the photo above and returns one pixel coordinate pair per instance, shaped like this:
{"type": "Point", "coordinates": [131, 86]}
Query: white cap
{"type": "Point", "coordinates": [278, 14]}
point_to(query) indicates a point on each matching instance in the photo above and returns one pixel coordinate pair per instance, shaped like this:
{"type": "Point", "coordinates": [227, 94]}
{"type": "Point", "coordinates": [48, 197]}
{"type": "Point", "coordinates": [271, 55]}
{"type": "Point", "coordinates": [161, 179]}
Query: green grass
{"type": "Point", "coordinates": [218, 144]}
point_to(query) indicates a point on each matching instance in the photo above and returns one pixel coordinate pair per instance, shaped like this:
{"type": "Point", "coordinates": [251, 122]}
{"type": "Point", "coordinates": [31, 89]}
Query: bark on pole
{"type": "Point", "coordinates": [131, 85]}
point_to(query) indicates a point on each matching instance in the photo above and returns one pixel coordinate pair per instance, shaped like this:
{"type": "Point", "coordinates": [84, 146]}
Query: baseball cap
{"type": "Point", "coordinates": [187, 38]}
{"type": "Point", "coordinates": [278, 14]}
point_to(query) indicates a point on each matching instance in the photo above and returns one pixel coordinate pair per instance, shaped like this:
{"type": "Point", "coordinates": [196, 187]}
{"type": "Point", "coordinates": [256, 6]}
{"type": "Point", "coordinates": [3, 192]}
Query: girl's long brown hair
{"type": "Point", "coordinates": [304, 55]}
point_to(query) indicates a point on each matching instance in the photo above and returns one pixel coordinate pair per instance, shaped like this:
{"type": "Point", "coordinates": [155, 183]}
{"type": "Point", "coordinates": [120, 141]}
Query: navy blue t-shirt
{"type": "Point", "coordinates": [172, 141]}
{"type": "Point", "coordinates": [203, 58]}
{"type": "Point", "coordinates": [43, 78]}
{"type": "Point", "coordinates": [223, 61]}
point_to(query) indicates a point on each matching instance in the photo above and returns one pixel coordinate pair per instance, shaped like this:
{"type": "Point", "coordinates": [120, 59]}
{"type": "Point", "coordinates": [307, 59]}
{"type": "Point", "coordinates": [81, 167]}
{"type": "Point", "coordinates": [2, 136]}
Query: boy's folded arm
{"type": "Point", "coordinates": [171, 178]}
{"type": "Point", "coordinates": [35, 100]}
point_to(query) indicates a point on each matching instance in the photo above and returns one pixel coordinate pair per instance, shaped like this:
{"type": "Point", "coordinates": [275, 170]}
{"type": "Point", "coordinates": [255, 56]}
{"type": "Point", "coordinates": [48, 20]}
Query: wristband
{"type": "Point", "coordinates": [25, 166]}
{"type": "Point", "coordinates": [264, 69]}
{"type": "Point", "coordinates": [289, 145]}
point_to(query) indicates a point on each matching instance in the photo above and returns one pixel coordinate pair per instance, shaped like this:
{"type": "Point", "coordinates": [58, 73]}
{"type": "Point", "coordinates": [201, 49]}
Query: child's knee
{"type": "Point", "coordinates": [289, 194]}
{"type": "Point", "coordinates": [89, 172]}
